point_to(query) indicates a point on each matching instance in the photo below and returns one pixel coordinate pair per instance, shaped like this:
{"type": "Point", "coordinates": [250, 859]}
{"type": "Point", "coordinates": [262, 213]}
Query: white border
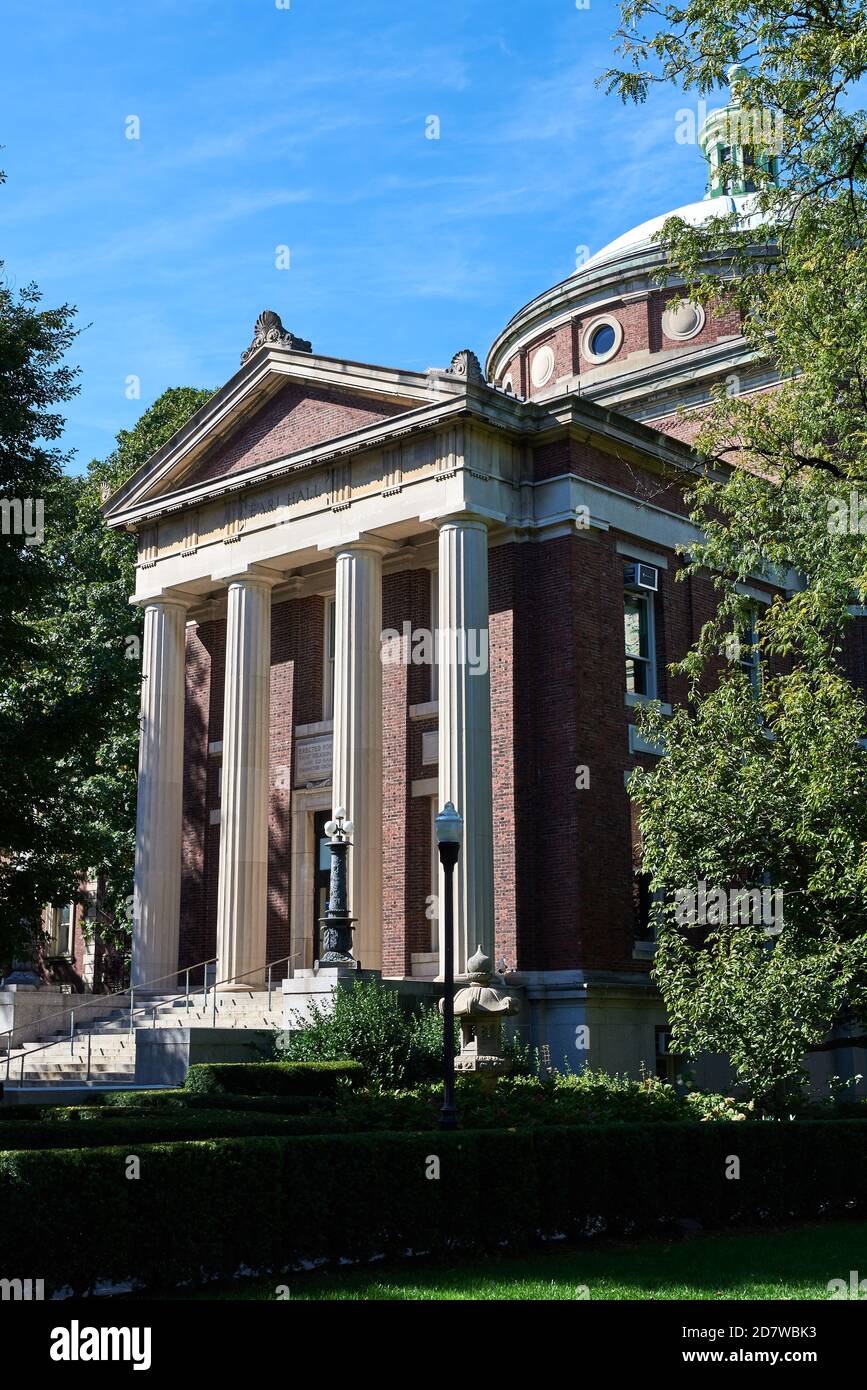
{"type": "Point", "coordinates": [545, 348]}
{"type": "Point", "coordinates": [600, 321]}
{"type": "Point", "coordinates": [684, 337]}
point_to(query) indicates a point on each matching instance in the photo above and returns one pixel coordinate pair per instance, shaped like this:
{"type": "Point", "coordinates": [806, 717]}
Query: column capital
{"type": "Point", "coordinates": [463, 516]}
{"type": "Point", "coordinates": [168, 597]}
{"type": "Point", "coordinates": [251, 573]}
{"type": "Point", "coordinates": [359, 540]}
{"type": "Point", "coordinates": [465, 520]}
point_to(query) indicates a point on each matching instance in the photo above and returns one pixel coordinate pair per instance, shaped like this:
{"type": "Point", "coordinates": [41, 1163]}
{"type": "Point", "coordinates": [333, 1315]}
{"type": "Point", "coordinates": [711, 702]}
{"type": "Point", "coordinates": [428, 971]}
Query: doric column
{"type": "Point", "coordinates": [357, 766]}
{"type": "Point", "coordinates": [157, 891]}
{"type": "Point", "coordinates": [243, 884]}
{"type": "Point", "coordinates": [465, 727]}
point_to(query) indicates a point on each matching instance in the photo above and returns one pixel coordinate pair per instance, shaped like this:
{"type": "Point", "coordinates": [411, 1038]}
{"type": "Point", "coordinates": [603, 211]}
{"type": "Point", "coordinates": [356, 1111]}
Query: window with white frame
{"type": "Point", "coordinates": [748, 649]}
{"type": "Point", "coordinates": [60, 935]}
{"type": "Point", "coordinates": [639, 630]}
{"type": "Point", "coordinates": [329, 648]}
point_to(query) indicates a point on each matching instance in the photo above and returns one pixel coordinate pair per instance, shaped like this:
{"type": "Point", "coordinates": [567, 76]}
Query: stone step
{"type": "Point", "coordinates": [75, 1069]}
{"type": "Point", "coordinates": [105, 1080]}
{"type": "Point", "coordinates": [226, 1016]}
{"type": "Point", "coordinates": [55, 1059]}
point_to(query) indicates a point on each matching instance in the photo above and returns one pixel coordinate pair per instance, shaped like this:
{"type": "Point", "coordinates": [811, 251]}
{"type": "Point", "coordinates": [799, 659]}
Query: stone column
{"type": "Point", "coordinates": [465, 727]}
{"type": "Point", "coordinates": [243, 884]}
{"type": "Point", "coordinates": [157, 883]}
{"type": "Point", "coordinates": [357, 766]}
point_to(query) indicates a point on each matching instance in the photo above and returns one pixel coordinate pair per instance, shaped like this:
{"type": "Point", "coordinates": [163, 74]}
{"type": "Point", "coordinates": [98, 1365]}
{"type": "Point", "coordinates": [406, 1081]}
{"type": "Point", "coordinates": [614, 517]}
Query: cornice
{"type": "Point", "coordinates": [260, 377]}
{"type": "Point", "coordinates": [629, 274]}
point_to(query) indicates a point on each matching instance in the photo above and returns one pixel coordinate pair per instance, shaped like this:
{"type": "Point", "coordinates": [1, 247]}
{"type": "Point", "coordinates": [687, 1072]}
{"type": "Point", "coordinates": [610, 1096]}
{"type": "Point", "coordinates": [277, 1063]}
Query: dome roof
{"type": "Point", "coordinates": [642, 237]}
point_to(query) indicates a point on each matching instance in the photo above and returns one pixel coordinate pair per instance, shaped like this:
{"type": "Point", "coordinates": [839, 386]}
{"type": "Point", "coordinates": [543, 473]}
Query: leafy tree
{"type": "Point", "coordinates": [71, 711]}
{"type": "Point", "coordinates": [770, 784]}
{"type": "Point", "coordinates": [784, 817]}
{"type": "Point", "coordinates": [34, 378]}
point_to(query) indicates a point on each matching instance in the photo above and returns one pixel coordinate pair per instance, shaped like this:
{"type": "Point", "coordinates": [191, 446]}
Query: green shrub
{"type": "Point", "coordinates": [253, 1203]}
{"type": "Point", "coordinates": [484, 1102]}
{"type": "Point", "coordinates": [518, 1101]}
{"type": "Point", "coordinates": [369, 1025]}
{"type": "Point", "coordinates": [319, 1078]}
{"type": "Point", "coordinates": [100, 1128]}
{"type": "Point", "coordinates": [192, 1100]}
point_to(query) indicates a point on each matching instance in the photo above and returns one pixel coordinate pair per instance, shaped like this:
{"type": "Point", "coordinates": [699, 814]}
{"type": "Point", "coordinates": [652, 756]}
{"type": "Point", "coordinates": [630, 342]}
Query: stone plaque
{"type": "Point", "coordinates": [313, 760]}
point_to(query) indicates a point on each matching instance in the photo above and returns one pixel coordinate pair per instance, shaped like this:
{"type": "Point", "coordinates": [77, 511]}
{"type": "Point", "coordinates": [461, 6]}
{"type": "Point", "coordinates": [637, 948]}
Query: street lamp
{"type": "Point", "coordinates": [336, 925]}
{"type": "Point", "coordinates": [450, 833]}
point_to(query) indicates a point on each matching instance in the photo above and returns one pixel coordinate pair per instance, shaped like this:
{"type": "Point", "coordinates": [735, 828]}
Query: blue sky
{"type": "Point", "coordinates": [304, 127]}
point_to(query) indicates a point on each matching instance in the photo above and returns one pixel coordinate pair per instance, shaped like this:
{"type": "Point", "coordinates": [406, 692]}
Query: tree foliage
{"type": "Point", "coordinates": [771, 784]}
{"type": "Point", "coordinates": [71, 707]}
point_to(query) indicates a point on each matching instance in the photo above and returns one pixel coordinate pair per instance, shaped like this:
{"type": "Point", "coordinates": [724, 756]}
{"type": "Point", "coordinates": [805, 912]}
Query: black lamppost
{"type": "Point", "coordinates": [336, 926]}
{"type": "Point", "coordinates": [450, 831]}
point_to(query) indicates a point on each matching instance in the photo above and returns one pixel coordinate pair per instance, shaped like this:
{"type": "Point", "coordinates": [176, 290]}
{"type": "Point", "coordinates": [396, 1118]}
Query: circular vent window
{"type": "Point", "coordinates": [601, 339]}
{"type": "Point", "coordinates": [542, 366]}
{"type": "Point", "coordinates": [683, 320]}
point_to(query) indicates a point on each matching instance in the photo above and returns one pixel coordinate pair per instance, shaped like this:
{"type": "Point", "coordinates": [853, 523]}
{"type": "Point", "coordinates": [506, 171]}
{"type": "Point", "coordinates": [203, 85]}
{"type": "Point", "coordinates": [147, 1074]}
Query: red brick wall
{"type": "Point", "coordinates": [297, 631]}
{"type": "Point", "coordinates": [716, 326]}
{"type": "Point", "coordinates": [406, 857]}
{"type": "Point", "coordinates": [296, 418]}
{"type": "Point", "coordinates": [683, 427]}
{"type": "Point", "coordinates": [562, 456]}
{"type": "Point", "coordinates": [562, 345]}
{"type": "Point", "coordinates": [297, 648]}
{"type": "Point", "coordinates": [283, 651]}
{"type": "Point", "coordinates": [633, 319]}
{"type": "Point", "coordinates": [641, 321]}
{"type": "Point", "coordinates": [195, 941]}
{"type": "Point", "coordinates": [562, 859]}
{"type": "Point", "coordinates": [513, 771]}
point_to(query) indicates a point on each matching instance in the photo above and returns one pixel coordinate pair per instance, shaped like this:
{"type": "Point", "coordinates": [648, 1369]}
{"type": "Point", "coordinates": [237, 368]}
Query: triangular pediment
{"type": "Point", "coordinates": [299, 416]}
{"type": "Point", "coordinates": [279, 405]}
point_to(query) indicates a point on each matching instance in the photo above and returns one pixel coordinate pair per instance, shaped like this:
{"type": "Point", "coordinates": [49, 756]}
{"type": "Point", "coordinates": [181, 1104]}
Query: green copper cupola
{"type": "Point", "coordinates": [741, 144]}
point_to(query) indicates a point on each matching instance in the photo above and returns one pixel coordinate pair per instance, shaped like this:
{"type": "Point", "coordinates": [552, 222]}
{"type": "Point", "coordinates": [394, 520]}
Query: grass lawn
{"type": "Point", "coordinates": [787, 1264]}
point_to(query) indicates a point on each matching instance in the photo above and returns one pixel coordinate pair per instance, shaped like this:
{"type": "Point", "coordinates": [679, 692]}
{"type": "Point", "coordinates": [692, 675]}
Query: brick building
{"type": "Point", "coordinates": [320, 528]}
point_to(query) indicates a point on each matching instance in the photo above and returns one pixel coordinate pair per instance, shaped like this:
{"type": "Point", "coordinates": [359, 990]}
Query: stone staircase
{"type": "Point", "coordinates": [111, 1061]}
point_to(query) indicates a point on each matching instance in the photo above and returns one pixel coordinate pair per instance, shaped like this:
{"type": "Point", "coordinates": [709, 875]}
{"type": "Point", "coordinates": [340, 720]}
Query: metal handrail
{"type": "Point", "coordinates": [56, 1042]}
{"type": "Point", "coordinates": [114, 994]}
{"type": "Point", "coordinates": [145, 1008]}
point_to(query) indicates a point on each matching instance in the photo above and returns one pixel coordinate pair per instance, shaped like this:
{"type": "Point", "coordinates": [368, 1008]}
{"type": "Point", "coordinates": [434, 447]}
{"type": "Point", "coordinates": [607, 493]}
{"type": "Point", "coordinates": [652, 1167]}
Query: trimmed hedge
{"type": "Point", "coordinates": [173, 1100]}
{"type": "Point", "coordinates": [272, 1078]}
{"type": "Point", "coordinates": [267, 1203]}
{"type": "Point", "coordinates": [102, 1128]}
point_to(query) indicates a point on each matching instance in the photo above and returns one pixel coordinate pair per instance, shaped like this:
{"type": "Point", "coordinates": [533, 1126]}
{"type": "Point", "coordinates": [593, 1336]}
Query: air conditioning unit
{"type": "Point", "coordinates": [641, 577]}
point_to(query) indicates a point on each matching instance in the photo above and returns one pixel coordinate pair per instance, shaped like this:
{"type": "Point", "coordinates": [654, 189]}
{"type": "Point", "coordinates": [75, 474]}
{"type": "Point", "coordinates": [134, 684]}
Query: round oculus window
{"type": "Point", "coordinates": [542, 366]}
{"type": "Point", "coordinates": [602, 339]}
{"type": "Point", "coordinates": [683, 320]}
